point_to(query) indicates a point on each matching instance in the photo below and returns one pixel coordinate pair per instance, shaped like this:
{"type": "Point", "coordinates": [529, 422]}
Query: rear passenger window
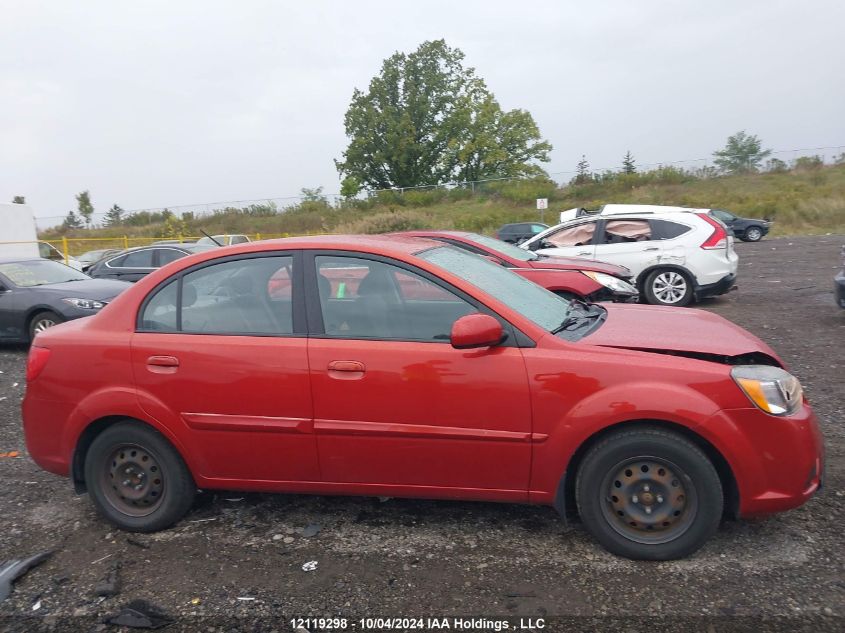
{"type": "Point", "coordinates": [241, 297]}
{"type": "Point", "coordinates": [362, 298]}
{"type": "Point", "coordinates": [137, 259]}
{"type": "Point", "coordinates": [167, 255]}
{"type": "Point", "coordinates": [623, 231]}
{"type": "Point", "coordinates": [666, 230]}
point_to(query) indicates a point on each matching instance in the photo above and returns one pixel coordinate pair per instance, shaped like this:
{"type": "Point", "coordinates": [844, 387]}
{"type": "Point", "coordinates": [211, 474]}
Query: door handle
{"type": "Point", "coordinates": [162, 364]}
{"type": "Point", "coordinates": [584, 253]}
{"type": "Point", "coordinates": [652, 248]}
{"type": "Point", "coordinates": [352, 366]}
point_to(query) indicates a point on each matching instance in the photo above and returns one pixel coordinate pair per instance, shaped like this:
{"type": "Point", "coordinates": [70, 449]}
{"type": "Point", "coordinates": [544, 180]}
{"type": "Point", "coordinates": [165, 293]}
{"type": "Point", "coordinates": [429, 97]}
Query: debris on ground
{"type": "Point", "coordinates": [311, 530]}
{"type": "Point", "coordinates": [140, 614]}
{"type": "Point", "coordinates": [109, 585]}
{"type": "Point", "coordinates": [311, 565]}
{"type": "Point", "coordinates": [137, 543]}
{"type": "Point", "coordinates": [11, 570]}
{"type": "Point", "coordinates": [10, 454]}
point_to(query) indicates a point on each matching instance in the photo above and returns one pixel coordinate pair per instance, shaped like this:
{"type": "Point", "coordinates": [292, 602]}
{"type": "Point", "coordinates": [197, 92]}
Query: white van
{"type": "Point", "coordinates": [19, 239]}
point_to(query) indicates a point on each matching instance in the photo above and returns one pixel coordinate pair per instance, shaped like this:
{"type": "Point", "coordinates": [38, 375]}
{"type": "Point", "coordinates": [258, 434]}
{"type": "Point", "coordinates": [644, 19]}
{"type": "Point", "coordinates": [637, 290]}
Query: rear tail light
{"type": "Point", "coordinates": [35, 363]}
{"type": "Point", "coordinates": [719, 237]}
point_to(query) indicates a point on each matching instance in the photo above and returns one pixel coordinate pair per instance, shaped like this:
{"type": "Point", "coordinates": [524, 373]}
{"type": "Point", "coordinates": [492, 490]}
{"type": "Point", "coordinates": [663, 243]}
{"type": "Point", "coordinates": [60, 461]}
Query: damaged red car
{"type": "Point", "coordinates": [568, 277]}
{"type": "Point", "coordinates": [406, 367]}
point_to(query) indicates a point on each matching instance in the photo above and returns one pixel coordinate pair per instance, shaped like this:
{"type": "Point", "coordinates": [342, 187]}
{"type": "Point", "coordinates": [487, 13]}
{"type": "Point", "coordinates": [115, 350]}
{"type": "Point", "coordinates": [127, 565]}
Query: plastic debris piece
{"type": "Point", "coordinates": [311, 565]}
{"type": "Point", "coordinates": [100, 560]}
{"type": "Point", "coordinates": [140, 614]}
{"type": "Point", "coordinates": [11, 570]}
{"type": "Point", "coordinates": [235, 499]}
{"type": "Point", "coordinates": [109, 585]}
{"type": "Point", "coordinates": [311, 530]}
{"type": "Point", "coordinates": [10, 454]}
{"type": "Point", "coordinates": [2, 398]}
{"type": "Point", "coordinates": [384, 499]}
{"type": "Point", "coordinates": [202, 520]}
{"type": "Point", "coordinates": [37, 605]}
{"type": "Point", "coordinates": [195, 601]}
{"type": "Point", "coordinates": [246, 598]}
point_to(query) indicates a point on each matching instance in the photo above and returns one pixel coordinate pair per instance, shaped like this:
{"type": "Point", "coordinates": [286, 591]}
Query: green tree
{"type": "Point", "coordinates": [776, 166]}
{"type": "Point", "coordinates": [312, 195]}
{"type": "Point", "coordinates": [742, 153]}
{"type": "Point", "coordinates": [84, 206]}
{"type": "Point", "coordinates": [72, 221]}
{"type": "Point", "coordinates": [114, 216]}
{"type": "Point", "coordinates": [582, 171]}
{"type": "Point", "coordinates": [492, 143]}
{"type": "Point", "coordinates": [350, 187]}
{"type": "Point", "coordinates": [426, 119]}
{"type": "Point", "coordinates": [628, 163]}
{"type": "Point", "coordinates": [18, 200]}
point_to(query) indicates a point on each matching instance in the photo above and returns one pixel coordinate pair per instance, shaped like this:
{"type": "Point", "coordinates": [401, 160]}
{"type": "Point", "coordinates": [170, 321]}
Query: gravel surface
{"type": "Point", "coordinates": [241, 556]}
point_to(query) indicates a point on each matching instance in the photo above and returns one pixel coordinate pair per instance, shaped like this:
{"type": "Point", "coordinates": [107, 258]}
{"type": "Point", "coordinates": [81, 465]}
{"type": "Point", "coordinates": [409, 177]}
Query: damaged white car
{"type": "Point", "coordinates": [677, 255]}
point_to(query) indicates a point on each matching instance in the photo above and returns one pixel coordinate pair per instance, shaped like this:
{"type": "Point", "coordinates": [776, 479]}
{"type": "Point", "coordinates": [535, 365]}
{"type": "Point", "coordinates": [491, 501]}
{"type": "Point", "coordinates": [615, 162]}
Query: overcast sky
{"type": "Point", "coordinates": [151, 104]}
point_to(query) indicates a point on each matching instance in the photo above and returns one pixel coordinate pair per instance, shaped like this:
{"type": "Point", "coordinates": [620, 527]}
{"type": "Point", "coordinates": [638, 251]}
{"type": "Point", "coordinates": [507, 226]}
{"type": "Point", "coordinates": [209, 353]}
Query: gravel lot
{"type": "Point", "coordinates": [425, 558]}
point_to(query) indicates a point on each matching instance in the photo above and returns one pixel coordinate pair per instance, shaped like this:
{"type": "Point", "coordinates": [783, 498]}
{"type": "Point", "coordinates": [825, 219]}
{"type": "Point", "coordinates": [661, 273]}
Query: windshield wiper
{"type": "Point", "coordinates": [587, 311]}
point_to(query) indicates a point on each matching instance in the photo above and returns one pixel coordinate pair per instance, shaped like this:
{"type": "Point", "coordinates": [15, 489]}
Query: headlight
{"type": "Point", "coordinates": [772, 389]}
{"type": "Point", "coordinates": [85, 304]}
{"type": "Point", "coordinates": [609, 281]}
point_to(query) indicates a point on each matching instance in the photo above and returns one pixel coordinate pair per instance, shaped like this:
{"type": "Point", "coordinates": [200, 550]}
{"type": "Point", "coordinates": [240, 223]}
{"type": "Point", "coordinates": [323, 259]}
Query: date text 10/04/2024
{"type": "Point", "coordinates": [406, 624]}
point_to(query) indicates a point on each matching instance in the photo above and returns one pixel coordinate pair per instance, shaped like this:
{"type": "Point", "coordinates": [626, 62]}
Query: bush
{"type": "Point", "coordinates": [387, 222]}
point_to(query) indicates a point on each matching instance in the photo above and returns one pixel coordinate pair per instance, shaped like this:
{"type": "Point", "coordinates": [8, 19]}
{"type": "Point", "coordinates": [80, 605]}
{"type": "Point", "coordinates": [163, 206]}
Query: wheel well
{"type": "Point", "coordinates": [84, 443]}
{"type": "Point", "coordinates": [565, 497]}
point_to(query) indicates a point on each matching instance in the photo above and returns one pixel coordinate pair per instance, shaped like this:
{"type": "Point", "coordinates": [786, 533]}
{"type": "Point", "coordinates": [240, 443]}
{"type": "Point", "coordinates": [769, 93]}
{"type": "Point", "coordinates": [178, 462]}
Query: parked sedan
{"type": "Point", "coordinates": [520, 231]}
{"type": "Point", "coordinates": [135, 263]}
{"type": "Point", "coordinates": [568, 277]}
{"type": "Point", "coordinates": [36, 294]}
{"type": "Point", "coordinates": [839, 283]}
{"type": "Point", "coordinates": [746, 229]}
{"type": "Point", "coordinates": [441, 375]}
{"type": "Point", "coordinates": [90, 257]}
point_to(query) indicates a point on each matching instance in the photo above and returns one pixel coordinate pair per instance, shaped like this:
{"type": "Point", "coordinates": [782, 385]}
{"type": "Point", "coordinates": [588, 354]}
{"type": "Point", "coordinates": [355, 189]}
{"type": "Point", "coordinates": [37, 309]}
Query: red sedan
{"type": "Point", "coordinates": [406, 367]}
{"type": "Point", "coordinates": [569, 277]}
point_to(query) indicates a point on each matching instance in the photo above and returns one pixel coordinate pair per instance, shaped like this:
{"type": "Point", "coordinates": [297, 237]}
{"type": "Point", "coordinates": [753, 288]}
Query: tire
{"type": "Point", "coordinates": [649, 477]}
{"type": "Point", "coordinates": [136, 479]}
{"type": "Point", "coordinates": [753, 234]}
{"type": "Point", "coordinates": [668, 287]}
{"type": "Point", "coordinates": [42, 321]}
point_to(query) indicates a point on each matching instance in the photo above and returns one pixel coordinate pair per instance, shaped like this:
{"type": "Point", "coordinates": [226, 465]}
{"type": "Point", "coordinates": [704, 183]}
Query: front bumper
{"type": "Point", "coordinates": [777, 462]}
{"type": "Point", "coordinates": [725, 284]}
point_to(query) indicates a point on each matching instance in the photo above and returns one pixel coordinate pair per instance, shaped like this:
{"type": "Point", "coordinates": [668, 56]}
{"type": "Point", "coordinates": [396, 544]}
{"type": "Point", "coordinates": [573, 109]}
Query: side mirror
{"type": "Point", "coordinates": [476, 330]}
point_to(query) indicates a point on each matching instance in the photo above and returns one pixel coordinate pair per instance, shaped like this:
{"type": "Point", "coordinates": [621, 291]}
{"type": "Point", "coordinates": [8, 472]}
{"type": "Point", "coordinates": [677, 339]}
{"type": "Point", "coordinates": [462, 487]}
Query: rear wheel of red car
{"type": "Point", "coordinates": [649, 494]}
{"type": "Point", "coordinates": [668, 287]}
{"type": "Point", "coordinates": [136, 479]}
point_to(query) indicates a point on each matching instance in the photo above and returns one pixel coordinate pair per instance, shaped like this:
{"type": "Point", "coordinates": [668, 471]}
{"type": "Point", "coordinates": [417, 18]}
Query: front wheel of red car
{"type": "Point", "coordinates": [136, 479]}
{"type": "Point", "coordinates": [649, 494]}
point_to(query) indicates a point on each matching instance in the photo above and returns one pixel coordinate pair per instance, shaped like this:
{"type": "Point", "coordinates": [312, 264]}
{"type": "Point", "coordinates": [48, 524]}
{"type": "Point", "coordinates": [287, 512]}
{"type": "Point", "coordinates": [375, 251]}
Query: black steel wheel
{"type": "Point", "coordinates": [136, 479]}
{"type": "Point", "coordinates": [648, 493]}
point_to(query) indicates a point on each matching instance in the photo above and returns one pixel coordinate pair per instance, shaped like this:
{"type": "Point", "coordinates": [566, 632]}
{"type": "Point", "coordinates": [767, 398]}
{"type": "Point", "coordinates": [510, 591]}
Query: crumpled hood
{"type": "Point", "coordinates": [98, 289]}
{"type": "Point", "coordinates": [578, 263]}
{"type": "Point", "coordinates": [684, 330]}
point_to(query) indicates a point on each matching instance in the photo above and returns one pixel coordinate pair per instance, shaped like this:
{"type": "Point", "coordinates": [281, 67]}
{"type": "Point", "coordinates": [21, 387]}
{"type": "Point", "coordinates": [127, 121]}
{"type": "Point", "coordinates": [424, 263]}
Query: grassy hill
{"type": "Point", "coordinates": [801, 201]}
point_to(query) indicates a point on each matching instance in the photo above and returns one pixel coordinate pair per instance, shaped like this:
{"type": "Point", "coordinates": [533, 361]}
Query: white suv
{"type": "Point", "coordinates": [675, 254]}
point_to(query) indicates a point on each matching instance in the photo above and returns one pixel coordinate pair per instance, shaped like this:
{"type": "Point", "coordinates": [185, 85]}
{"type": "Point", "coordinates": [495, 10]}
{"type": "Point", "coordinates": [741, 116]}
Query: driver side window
{"type": "Point", "coordinates": [368, 299]}
{"type": "Point", "coordinates": [578, 235]}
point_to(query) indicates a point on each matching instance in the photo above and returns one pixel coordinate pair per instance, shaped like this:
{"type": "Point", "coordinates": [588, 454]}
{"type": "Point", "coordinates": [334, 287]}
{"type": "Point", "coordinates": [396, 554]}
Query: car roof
{"type": "Point", "coordinates": [390, 243]}
{"type": "Point", "coordinates": [619, 209]}
{"type": "Point", "coordinates": [418, 234]}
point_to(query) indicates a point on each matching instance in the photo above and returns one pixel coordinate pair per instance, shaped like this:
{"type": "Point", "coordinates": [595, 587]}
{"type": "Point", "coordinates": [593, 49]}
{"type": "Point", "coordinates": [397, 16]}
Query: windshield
{"type": "Point", "coordinates": [511, 250]}
{"type": "Point", "coordinates": [39, 273]}
{"type": "Point", "coordinates": [538, 304]}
